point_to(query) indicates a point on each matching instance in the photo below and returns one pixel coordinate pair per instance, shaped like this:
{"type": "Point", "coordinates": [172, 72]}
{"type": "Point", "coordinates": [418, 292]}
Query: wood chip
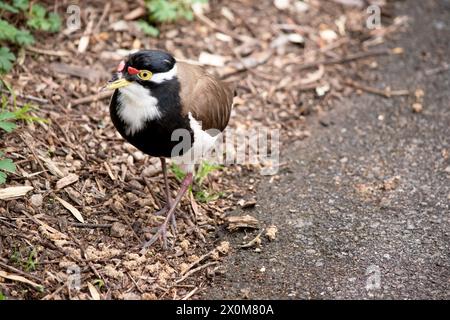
{"type": "Point", "coordinates": [271, 232]}
{"type": "Point", "coordinates": [67, 180]}
{"type": "Point", "coordinates": [136, 13]}
{"type": "Point", "coordinates": [14, 192]}
{"type": "Point", "coordinates": [247, 204]}
{"type": "Point", "coordinates": [72, 209]}
{"type": "Point", "coordinates": [52, 167]}
{"type": "Point", "coordinates": [236, 222]}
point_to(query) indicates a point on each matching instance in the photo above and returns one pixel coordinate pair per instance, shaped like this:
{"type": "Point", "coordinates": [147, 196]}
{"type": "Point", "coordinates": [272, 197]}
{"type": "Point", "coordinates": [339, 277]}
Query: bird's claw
{"type": "Point", "coordinates": [162, 230]}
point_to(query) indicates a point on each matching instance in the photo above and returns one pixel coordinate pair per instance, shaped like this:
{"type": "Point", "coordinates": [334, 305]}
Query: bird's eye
{"type": "Point", "coordinates": [144, 75]}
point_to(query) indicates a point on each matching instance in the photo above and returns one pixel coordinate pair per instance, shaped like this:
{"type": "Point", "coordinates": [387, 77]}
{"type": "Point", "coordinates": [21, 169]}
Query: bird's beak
{"type": "Point", "coordinates": [118, 84]}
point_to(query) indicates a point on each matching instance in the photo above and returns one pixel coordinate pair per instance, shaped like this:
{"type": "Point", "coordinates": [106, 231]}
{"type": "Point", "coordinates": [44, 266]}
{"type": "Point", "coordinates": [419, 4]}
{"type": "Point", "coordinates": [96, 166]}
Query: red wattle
{"type": "Point", "coordinates": [132, 70]}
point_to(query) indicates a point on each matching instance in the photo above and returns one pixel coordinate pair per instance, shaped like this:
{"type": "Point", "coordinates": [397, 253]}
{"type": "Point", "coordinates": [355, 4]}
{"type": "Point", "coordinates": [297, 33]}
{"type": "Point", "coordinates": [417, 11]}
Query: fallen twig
{"type": "Point", "coordinates": [382, 92]}
{"type": "Point", "coordinates": [190, 294]}
{"type": "Point", "coordinates": [253, 241]}
{"type": "Point", "coordinates": [26, 96]}
{"type": "Point", "coordinates": [90, 225]}
{"type": "Point", "coordinates": [349, 58]}
{"type": "Point", "coordinates": [12, 269]}
{"type": "Point", "coordinates": [195, 270]}
{"type": "Point", "coordinates": [35, 156]}
{"type": "Point", "coordinates": [92, 98]}
{"type": "Point", "coordinates": [206, 255]}
{"type": "Point", "coordinates": [48, 52]}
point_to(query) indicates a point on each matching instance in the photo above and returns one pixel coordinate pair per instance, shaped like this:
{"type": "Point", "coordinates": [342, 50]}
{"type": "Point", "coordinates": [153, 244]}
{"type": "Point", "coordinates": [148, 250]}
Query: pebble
{"type": "Point", "coordinates": [118, 230]}
{"type": "Point", "coordinates": [36, 200]}
{"type": "Point", "coordinates": [417, 107]}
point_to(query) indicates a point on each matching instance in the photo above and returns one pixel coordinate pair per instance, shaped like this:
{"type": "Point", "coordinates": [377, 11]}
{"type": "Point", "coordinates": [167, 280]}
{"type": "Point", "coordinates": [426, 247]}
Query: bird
{"type": "Point", "coordinates": [159, 101]}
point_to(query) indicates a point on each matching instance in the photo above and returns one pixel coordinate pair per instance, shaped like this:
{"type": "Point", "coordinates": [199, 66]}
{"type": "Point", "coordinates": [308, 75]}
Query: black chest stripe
{"type": "Point", "coordinates": [155, 136]}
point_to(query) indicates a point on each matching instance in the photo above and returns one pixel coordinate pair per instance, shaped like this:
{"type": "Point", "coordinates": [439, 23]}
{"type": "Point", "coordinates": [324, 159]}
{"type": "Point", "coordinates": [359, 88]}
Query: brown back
{"type": "Point", "coordinates": [206, 97]}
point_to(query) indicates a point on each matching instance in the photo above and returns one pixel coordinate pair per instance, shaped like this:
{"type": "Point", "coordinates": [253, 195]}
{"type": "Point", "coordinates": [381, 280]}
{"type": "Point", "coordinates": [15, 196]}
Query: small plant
{"type": "Point", "coordinates": [39, 19]}
{"type": "Point", "coordinates": [6, 165]}
{"type": "Point", "coordinates": [31, 262]}
{"type": "Point", "coordinates": [7, 123]}
{"type": "Point", "coordinates": [16, 257]}
{"type": "Point", "coordinates": [162, 11]}
{"type": "Point", "coordinates": [2, 296]}
{"type": "Point", "coordinates": [28, 264]}
{"type": "Point", "coordinates": [99, 283]}
{"type": "Point", "coordinates": [204, 169]}
{"type": "Point", "coordinates": [15, 35]}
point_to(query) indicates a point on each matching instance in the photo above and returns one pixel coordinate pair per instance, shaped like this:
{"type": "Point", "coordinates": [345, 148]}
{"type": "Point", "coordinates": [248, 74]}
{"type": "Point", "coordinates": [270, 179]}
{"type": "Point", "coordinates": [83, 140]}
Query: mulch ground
{"type": "Point", "coordinates": [286, 64]}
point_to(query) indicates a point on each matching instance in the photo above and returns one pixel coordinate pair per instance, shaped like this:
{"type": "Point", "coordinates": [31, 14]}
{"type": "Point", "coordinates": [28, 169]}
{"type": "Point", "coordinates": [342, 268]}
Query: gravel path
{"type": "Point", "coordinates": [363, 208]}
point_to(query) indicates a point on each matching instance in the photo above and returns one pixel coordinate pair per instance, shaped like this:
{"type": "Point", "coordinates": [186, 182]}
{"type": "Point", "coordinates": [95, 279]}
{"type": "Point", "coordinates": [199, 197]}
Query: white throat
{"type": "Point", "coordinates": [136, 106]}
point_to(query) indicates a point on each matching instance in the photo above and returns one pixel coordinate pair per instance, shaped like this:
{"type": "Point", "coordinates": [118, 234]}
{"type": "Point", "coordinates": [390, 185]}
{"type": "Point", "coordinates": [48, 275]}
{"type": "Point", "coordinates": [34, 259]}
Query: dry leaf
{"type": "Point", "coordinates": [14, 192]}
{"type": "Point", "coordinates": [93, 291]}
{"type": "Point", "coordinates": [14, 277]}
{"type": "Point", "coordinates": [72, 209]}
{"type": "Point", "coordinates": [52, 167]}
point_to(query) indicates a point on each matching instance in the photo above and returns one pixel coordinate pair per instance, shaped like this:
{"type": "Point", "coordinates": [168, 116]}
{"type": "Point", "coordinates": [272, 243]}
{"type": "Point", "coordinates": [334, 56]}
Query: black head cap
{"type": "Point", "coordinates": [153, 60]}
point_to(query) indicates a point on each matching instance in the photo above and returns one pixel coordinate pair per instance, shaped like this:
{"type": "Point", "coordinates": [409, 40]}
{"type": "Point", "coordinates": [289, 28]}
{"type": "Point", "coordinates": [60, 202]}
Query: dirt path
{"type": "Point", "coordinates": [363, 208]}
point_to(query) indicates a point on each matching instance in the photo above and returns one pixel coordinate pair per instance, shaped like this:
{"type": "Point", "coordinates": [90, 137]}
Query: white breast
{"type": "Point", "coordinates": [203, 143]}
{"type": "Point", "coordinates": [136, 106]}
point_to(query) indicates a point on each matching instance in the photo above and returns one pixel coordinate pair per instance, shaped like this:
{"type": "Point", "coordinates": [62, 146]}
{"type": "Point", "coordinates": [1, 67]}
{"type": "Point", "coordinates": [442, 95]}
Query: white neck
{"type": "Point", "coordinates": [136, 106]}
{"type": "Point", "coordinates": [164, 76]}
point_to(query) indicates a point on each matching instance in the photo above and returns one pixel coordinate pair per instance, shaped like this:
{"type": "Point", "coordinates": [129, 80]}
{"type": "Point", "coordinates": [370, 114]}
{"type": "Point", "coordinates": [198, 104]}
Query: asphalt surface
{"type": "Point", "coordinates": [363, 208]}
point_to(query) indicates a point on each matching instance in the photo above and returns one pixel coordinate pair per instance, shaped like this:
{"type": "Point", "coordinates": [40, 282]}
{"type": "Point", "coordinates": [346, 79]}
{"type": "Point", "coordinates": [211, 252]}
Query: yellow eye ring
{"type": "Point", "coordinates": [144, 75]}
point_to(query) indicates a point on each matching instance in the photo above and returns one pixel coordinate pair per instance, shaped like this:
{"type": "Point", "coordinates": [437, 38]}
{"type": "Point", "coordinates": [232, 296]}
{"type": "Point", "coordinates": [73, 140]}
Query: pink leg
{"type": "Point", "coordinates": [167, 189]}
{"type": "Point", "coordinates": [170, 215]}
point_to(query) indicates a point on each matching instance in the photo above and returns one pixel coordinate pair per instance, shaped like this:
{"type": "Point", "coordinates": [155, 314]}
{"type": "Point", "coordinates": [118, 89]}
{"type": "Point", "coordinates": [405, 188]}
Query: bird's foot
{"type": "Point", "coordinates": [162, 211]}
{"type": "Point", "coordinates": [162, 230]}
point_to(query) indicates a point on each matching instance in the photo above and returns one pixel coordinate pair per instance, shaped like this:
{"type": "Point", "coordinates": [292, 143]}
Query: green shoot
{"type": "Point", "coordinates": [204, 195]}
{"type": "Point", "coordinates": [167, 11]}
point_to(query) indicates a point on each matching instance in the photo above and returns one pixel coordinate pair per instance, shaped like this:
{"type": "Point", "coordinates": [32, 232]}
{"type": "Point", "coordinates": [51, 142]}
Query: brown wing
{"type": "Point", "coordinates": [206, 97]}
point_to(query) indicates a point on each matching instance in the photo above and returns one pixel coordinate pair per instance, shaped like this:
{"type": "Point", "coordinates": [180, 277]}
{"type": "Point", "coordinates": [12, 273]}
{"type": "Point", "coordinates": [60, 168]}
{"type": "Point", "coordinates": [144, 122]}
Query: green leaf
{"type": "Point", "coordinates": [2, 180]}
{"type": "Point", "coordinates": [7, 126]}
{"type": "Point", "coordinates": [162, 11]}
{"type": "Point", "coordinates": [7, 31]}
{"type": "Point", "coordinates": [6, 59]}
{"type": "Point", "coordinates": [178, 173]}
{"type": "Point", "coordinates": [21, 4]}
{"type": "Point", "coordinates": [204, 170]}
{"type": "Point", "coordinates": [8, 7]}
{"type": "Point", "coordinates": [38, 11]}
{"type": "Point", "coordinates": [205, 197]}
{"type": "Point", "coordinates": [147, 28]}
{"type": "Point", "coordinates": [24, 38]}
{"type": "Point", "coordinates": [7, 165]}
{"type": "Point", "coordinates": [37, 19]}
{"type": "Point", "coordinates": [54, 21]}
{"type": "Point", "coordinates": [7, 115]}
